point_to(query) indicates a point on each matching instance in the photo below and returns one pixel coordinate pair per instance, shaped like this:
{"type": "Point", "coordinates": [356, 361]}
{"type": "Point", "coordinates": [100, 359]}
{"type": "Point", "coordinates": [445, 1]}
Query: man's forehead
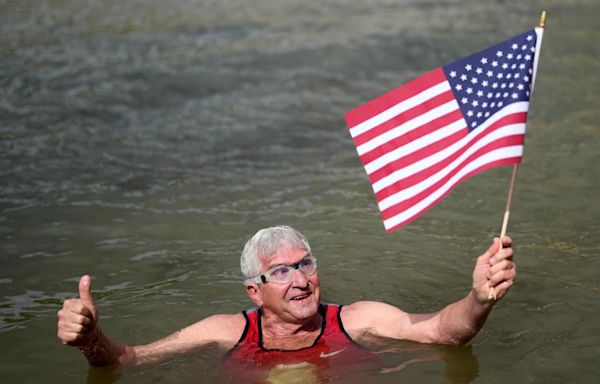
{"type": "Point", "coordinates": [285, 255]}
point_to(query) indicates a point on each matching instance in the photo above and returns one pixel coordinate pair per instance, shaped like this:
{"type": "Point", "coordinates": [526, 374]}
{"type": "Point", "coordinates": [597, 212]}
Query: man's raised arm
{"type": "Point", "coordinates": [457, 323]}
{"type": "Point", "coordinates": [78, 326]}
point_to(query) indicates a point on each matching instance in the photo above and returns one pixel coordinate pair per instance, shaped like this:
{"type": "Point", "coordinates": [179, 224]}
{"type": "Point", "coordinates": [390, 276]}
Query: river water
{"type": "Point", "coordinates": [143, 142]}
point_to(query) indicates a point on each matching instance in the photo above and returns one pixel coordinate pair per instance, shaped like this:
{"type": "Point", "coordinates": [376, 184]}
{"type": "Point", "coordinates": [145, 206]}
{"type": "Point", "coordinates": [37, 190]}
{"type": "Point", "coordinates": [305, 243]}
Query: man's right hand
{"type": "Point", "coordinates": [78, 317]}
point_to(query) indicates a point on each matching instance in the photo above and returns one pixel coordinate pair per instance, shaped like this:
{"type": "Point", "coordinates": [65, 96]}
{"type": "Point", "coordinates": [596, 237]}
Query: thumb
{"type": "Point", "coordinates": [493, 249]}
{"type": "Point", "coordinates": [85, 294]}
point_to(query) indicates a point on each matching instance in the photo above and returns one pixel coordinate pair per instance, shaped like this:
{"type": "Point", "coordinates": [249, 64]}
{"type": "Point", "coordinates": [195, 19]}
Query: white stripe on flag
{"type": "Point", "coordinates": [438, 156]}
{"type": "Point", "coordinates": [399, 108]}
{"type": "Point", "coordinates": [408, 126]}
{"type": "Point", "coordinates": [416, 145]}
{"type": "Point", "coordinates": [539, 31]}
{"type": "Point", "coordinates": [407, 193]}
{"type": "Point", "coordinates": [489, 157]}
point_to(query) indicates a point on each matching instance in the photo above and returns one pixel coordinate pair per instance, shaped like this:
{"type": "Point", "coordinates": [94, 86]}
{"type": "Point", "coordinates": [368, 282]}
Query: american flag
{"type": "Point", "coordinates": [420, 140]}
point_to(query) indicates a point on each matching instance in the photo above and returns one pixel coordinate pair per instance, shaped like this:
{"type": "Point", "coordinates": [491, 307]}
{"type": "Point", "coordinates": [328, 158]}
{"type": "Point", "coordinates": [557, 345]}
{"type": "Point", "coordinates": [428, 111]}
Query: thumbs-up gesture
{"type": "Point", "coordinates": [78, 317]}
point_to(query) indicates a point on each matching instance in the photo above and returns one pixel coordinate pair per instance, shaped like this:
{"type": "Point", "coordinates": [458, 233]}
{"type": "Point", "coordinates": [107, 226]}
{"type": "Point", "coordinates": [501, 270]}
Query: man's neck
{"type": "Point", "coordinates": [275, 327]}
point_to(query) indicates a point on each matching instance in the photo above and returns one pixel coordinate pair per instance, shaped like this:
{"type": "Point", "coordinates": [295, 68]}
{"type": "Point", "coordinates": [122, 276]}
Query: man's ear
{"type": "Point", "coordinates": [254, 294]}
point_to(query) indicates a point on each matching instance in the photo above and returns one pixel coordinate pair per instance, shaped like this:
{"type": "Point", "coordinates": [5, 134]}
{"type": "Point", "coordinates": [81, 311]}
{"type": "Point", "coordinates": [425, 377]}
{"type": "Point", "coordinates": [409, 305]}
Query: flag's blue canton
{"type": "Point", "coordinates": [488, 80]}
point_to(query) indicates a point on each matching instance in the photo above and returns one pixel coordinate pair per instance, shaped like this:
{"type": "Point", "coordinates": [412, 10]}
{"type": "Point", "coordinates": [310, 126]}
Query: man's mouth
{"type": "Point", "coordinates": [301, 297]}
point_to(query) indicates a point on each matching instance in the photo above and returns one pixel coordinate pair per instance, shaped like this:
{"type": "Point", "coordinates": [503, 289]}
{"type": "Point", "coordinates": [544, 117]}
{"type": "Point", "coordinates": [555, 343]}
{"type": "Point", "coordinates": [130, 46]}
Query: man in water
{"type": "Point", "coordinates": [289, 322]}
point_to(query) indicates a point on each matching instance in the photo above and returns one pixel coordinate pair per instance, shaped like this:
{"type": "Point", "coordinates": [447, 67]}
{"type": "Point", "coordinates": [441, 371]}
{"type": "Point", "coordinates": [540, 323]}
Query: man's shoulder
{"type": "Point", "coordinates": [221, 328]}
{"type": "Point", "coordinates": [227, 322]}
{"type": "Point", "coordinates": [359, 307]}
{"type": "Point", "coordinates": [362, 314]}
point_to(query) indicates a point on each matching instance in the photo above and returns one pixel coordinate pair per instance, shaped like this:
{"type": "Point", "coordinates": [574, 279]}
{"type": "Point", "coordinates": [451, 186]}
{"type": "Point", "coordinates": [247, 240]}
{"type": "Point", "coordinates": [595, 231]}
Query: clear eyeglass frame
{"type": "Point", "coordinates": [282, 274]}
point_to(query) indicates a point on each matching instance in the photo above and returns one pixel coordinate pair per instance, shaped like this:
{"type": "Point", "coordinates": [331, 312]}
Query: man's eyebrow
{"type": "Point", "coordinates": [275, 265]}
{"type": "Point", "coordinates": [307, 254]}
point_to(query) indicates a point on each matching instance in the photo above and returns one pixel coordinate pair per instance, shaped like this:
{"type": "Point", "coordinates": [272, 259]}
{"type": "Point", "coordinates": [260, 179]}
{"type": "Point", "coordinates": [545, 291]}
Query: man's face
{"type": "Point", "coordinates": [295, 301]}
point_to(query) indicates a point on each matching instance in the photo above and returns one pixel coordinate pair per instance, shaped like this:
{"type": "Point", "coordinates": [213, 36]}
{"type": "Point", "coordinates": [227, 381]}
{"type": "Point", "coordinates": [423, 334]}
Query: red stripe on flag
{"type": "Point", "coordinates": [413, 135]}
{"type": "Point", "coordinates": [405, 204]}
{"type": "Point", "coordinates": [494, 164]}
{"type": "Point", "coordinates": [416, 156]}
{"type": "Point", "coordinates": [515, 118]}
{"type": "Point", "coordinates": [408, 115]}
{"type": "Point", "coordinates": [388, 100]}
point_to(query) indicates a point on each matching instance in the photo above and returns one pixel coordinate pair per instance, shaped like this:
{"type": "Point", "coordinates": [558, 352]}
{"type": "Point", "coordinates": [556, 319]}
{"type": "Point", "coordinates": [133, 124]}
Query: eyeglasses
{"type": "Point", "coordinates": [282, 274]}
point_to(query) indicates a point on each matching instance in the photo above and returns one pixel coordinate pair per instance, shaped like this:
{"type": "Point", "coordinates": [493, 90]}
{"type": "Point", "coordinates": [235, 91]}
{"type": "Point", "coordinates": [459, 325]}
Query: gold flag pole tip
{"type": "Point", "coordinates": [543, 19]}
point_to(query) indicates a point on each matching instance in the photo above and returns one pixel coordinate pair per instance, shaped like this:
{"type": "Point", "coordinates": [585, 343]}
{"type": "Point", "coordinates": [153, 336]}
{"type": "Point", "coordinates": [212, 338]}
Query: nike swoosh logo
{"type": "Point", "coordinates": [324, 355]}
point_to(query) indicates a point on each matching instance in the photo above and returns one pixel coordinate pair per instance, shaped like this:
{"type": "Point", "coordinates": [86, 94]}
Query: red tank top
{"type": "Point", "coordinates": [333, 343]}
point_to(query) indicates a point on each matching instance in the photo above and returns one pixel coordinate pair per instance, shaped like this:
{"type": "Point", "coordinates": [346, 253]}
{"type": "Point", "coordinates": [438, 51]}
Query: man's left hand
{"type": "Point", "coordinates": [495, 270]}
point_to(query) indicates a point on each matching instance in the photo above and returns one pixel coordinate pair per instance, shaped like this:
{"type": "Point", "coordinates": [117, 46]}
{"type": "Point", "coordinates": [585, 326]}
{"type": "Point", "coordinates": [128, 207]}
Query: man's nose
{"type": "Point", "coordinates": [299, 279]}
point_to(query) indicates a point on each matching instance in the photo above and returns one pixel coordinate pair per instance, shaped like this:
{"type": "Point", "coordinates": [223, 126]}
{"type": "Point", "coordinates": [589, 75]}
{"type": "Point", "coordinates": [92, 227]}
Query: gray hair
{"type": "Point", "coordinates": [266, 242]}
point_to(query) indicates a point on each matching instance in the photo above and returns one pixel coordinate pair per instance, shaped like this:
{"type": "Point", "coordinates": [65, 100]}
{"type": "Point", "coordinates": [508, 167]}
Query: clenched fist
{"type": "Point", "coordinates": [495, 271]}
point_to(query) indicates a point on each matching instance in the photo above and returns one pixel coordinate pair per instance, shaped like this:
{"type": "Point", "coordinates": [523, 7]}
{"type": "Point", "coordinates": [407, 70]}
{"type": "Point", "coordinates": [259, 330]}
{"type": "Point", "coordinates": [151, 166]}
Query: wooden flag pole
{"type": "Point", "coordinates": [492, 292]}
